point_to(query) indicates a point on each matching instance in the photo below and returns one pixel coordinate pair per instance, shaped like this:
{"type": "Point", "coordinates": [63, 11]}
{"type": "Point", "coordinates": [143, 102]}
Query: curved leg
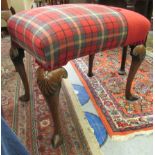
{"type": "Point", "coordinates": [17, 55]}
{"type": "Point", "coordinates": [50, 84]}
{"type": "Point", "coordinates": [122, 68]}
{"type": "Point", "coordinates": [138, 54]}
{"type": "Point", "coordinates": [91, 59]}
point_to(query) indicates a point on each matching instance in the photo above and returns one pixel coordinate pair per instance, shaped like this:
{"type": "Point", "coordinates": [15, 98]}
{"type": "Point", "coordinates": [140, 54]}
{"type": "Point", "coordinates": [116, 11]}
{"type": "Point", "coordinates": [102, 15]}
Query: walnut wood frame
{"type": "Point", "coordinates": [49, 82]}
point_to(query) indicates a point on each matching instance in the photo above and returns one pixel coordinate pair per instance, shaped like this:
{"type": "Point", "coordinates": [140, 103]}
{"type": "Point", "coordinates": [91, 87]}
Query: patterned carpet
{"type": "Point", "coordinates": [122, 118]}
{"type": "Point", "coordinates": [32, 121]}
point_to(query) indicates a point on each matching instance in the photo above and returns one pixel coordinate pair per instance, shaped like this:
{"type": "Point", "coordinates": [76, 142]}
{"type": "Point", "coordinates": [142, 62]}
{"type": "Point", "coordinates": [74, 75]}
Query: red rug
{"type": "Point", "coordinates": [32, 121]}
{"type": "Point", "coordinates": [122, 118]}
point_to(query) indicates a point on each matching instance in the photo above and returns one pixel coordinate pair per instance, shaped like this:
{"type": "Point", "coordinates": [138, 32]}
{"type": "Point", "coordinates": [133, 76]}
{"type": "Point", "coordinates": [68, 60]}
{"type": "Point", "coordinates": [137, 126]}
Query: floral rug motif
{"type": "Point", "coordinates": [32, 120]}
{"type": "Point", "coordinates": [122, 118]}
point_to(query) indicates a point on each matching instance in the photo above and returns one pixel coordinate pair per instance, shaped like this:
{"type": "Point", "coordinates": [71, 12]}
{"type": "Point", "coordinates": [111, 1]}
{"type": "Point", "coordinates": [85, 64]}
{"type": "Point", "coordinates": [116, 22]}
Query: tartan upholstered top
{"type": "Point", "coordinates": [56, 34]}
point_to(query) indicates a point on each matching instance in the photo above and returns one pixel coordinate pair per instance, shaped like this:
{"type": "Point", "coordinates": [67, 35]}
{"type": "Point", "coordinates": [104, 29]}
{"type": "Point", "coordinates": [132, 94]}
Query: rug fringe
{"type": "Point", "coordinates": [130, 136]}
{"type": "Point", "coordinates": [114, 135]}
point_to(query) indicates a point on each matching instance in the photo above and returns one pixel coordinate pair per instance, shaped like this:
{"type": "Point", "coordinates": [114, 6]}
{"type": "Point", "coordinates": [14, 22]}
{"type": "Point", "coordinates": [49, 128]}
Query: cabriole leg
{"type": "Point", "coordinates": [138, 54]}
{"type": "Point", "coordinates": [17, 55]}
{"type": "Point", "coordinates": [50, 84]}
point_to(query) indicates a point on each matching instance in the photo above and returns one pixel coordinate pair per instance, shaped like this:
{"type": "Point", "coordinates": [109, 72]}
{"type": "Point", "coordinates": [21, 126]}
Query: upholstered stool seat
{"type": "Point", "coordinates": [56, 34]}
{"type": "Point", "coordinates": [53, 35]}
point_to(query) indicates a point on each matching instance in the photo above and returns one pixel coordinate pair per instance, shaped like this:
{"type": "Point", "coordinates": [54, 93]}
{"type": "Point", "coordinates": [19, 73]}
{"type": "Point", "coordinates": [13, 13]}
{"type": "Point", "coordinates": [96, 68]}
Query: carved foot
{"type": "Point", "coordinates": [17, 55]}
{"type": "Point", "coordinates": [24, 98]}
{"type": "Point", "coordinates": [132, 97]}
{"type": "Point", "coordinates": [121, 71]}
{"type": "Point", "coordinates": [138, 54]}
{"type": "Point", "coordinates": [90, 74]}
{"type": "Point", "coordinates": [50, 84]}
{"type": "Point", "coordinates": [57, 140]}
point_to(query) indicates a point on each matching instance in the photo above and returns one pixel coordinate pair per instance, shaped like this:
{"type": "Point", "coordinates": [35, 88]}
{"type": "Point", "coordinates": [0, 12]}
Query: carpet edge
{"type": "Point", "coordinates": [87, 130]}
{"type": "Point", "coordinates": [115, 136]}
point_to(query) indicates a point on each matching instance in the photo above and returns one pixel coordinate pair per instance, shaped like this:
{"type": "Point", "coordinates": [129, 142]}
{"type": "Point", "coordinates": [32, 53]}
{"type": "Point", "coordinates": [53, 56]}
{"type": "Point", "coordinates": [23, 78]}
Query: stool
{"type": "Point", "coordinates": [53, 35]}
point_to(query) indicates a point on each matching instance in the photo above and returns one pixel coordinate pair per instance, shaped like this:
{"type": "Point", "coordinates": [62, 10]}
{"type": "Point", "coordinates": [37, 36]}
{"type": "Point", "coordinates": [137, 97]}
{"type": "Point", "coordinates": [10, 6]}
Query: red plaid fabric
{"type": "Point", "coordinates": [56, 34]}
{"type": "Point", "coordinates": [138, 26]}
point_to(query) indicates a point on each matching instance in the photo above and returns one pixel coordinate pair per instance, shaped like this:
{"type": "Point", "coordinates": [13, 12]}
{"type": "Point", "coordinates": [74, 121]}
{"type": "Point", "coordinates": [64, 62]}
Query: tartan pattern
{"type": "Point", "coordinates": [56, 34]}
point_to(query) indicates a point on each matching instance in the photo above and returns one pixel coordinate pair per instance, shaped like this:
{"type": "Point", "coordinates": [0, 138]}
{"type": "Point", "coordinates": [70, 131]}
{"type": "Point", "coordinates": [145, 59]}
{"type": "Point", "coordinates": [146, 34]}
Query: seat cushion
{"type": "Point", "coordinates": [56, 34]}
{"type": "Point", "coordinates": [138, 26]}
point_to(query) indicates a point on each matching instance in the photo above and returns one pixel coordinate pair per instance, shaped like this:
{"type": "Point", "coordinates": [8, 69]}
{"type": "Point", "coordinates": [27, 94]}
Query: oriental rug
{"type": "Point", "coordinates": [122, 119]}
{"type": "Point", "coordinates": [32, 121]}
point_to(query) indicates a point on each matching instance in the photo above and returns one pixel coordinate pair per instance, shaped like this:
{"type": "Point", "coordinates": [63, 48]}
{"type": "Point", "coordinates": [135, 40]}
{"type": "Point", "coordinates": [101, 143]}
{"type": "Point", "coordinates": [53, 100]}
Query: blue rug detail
{"type": "Point", "coordinates": [99, 130]}
{"type": "Point", "coordinates": [81, 93]}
